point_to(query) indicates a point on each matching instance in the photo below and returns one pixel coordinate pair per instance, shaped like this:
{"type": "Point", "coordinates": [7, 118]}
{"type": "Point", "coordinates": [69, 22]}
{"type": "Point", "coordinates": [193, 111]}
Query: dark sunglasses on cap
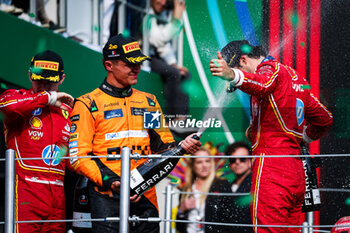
{"type": "Point", "coordinates": [233, 160]}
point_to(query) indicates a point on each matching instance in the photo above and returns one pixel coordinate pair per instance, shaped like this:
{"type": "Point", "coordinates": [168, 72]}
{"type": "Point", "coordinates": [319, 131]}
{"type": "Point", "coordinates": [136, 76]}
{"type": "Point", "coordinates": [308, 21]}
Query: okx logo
{"type": "Point", "coordinates": [151, 120]}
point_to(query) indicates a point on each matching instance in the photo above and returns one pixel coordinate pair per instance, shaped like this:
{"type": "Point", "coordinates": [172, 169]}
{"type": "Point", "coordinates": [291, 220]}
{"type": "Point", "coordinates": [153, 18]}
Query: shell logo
{"type": "Point", "coordinates": [35, 123]}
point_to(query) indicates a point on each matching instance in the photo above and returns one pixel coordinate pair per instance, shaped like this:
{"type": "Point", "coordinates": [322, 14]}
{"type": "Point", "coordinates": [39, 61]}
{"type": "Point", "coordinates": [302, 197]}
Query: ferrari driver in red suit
{"type": "Point", "coordinates": [37, 125]}
{"type": "Point", "coordinates": [284, 112]}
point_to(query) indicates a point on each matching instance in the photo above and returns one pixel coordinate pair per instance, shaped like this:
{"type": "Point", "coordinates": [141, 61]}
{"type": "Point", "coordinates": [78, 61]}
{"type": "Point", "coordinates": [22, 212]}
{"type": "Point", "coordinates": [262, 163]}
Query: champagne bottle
{"type": "Point", "coordinates": [81, 207]}
{"type": "Point", "coordinates": [312, 199]}
{"type": "Point", "coordinates": [153, 170]}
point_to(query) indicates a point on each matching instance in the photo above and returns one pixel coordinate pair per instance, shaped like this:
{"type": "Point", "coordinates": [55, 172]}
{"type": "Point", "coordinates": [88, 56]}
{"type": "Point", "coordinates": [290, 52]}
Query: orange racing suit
{"type": "Point", "coordinates": [106, 120]}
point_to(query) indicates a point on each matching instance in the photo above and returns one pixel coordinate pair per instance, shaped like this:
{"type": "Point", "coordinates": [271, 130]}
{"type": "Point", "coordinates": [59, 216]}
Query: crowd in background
{"type": "Point", "coordinates": [162, 25]}
{"type": "Point", "coordinates": [201, 177]}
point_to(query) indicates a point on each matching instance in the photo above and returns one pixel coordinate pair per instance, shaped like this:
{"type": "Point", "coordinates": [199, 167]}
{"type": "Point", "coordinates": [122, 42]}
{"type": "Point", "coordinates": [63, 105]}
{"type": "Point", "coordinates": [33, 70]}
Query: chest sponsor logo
{"type": "Point", "coordinates": [66, 139]}
{"type": "Point", "coordinates": [136, 102]}
{"type": "Point", "coordinates": [73, 128]}
{"type": "Point", "coordinates": [138, 111]}
{"type": "Point", "coordinates": [35, 135]}
{"type": "Point", "coordinates": [113, 114]}
{"type": "Point", "coordinates": [73, 144]}
{"type": "Point", "coordinates": [65, 114]}
{"type": "Point", "coordinates": [51, 155]}
{"type": "Point", "coordinates": [35, 123]}
{"type": "Point", "coordinates": [299, 87]}
{"type": "Point", "coordinates": [67, 128]}
{"type": "Point", "coordinates": [127, 134]}
{"type": "Point", "coordinates": [151, 120]}
{"type": "Point", "coordinates": [37, 112]}
{"type": "Point", "coordinates": [111, 105]}
{"type": "Point", "coordinates": [300, 111]}
{"type": "Point", "coordinates": [75, 118]}
{"type": "Point", "coordinates": [74, 136]}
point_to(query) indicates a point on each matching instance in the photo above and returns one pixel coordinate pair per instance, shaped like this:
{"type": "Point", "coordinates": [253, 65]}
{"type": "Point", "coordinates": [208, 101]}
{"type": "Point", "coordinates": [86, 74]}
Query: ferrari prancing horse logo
{"type": "Point", "coordinates": [65, 114]}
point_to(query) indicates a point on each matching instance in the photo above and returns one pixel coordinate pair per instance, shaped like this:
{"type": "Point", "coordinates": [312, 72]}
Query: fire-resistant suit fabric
{"type": "Point", "coordinates": [108, 119]}
{"type": "Point", "coordinates": [281, 106]}
{"type": "Point", "coordinates": [35, 129]}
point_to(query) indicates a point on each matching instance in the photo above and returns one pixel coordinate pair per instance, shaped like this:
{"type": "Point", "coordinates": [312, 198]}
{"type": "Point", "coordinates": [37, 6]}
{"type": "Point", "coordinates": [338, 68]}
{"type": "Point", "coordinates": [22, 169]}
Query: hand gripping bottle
{"type": "Point", "coordinates": [81, 207]}
{"type": "Point", "coordinates": [312, 200]}
{"type": "Point", "coordinates": [153, 170]}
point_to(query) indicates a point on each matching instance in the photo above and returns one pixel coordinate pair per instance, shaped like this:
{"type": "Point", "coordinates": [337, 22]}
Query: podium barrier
{"type": "Point", "coordinates": [124, 219]}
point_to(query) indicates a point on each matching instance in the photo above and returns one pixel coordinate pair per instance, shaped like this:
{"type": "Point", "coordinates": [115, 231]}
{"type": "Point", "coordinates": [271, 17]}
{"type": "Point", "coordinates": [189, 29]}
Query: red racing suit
{"type": "Point", "coordinates": [282, 105]}
{"type": "Point", "coordinates": [35, 129]}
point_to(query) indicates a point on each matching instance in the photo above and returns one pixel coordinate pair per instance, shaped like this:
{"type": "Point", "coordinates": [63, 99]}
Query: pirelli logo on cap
{"type": "Point", "coordinates": [131, 47]}
{"type": "Point", "coordinates": [46, 65]}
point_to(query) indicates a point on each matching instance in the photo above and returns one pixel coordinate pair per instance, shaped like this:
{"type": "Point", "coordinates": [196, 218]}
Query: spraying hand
{"type": "Point", "coordinates": [218, 67]}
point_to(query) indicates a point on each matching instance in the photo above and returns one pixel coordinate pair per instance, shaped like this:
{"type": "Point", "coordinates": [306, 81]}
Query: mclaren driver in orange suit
{"type": "Point", "coordinates": [110, 118]}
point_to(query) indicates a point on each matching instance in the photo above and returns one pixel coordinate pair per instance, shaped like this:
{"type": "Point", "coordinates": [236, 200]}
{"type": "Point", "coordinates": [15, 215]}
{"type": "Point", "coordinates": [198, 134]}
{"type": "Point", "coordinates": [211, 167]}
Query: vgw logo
{"type": "Point", "coordinates": [151, 120]}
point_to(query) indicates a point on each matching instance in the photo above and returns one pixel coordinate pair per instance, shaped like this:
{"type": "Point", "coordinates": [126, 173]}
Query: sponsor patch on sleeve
{"type": "Point", "coordinates": [73, 159]}
{"type": "Point", "coordinates": [93, 107]}
{"type": "Point", "coordinates": [73, 144]}
{"type": "Point", "coordinates": [75, 118]}
{"type": "Point", "coordinates": [73, 151]}
{"type": "Point", "coordinates": [73, 128]}
{"type": "Point", "coordinates": [151, 102]}
{"type": "Point", "coordinates": [74, 136]}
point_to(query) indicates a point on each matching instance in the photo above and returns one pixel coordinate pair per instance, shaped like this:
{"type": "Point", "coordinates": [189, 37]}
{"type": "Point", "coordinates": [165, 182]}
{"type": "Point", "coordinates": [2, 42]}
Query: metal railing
{"type": "Point", "coordinates": [124, 219]}
{"type": "Point", "coordinates": [10, 191]}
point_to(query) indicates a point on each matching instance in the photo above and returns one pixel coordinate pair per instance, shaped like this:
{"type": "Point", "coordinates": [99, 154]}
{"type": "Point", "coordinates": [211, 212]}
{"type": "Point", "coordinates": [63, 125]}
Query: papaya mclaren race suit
{"type": "Point", "coordinates": [103, 122]}
{"type": "Point", "coordinates": [35, 129]}
{"type": "Point", "coordinates": [281, 106]}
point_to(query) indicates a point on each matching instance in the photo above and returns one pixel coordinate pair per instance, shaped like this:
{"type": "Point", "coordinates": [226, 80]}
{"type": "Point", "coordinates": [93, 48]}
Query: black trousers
{"type": "Point", "coordinates": [176, 100]}
{"type": "Point", "coordinates": [103, 206]}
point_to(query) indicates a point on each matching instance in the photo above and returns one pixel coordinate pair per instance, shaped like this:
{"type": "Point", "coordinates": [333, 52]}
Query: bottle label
{"type": "Point", "coordinates": [155, 176]}
{"type": "Point", "coordinates": [316, 196]}
{"type": "Point", "coordinates": [135, 178]}
{"type": "Point", "coordinates": [79, 215]}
